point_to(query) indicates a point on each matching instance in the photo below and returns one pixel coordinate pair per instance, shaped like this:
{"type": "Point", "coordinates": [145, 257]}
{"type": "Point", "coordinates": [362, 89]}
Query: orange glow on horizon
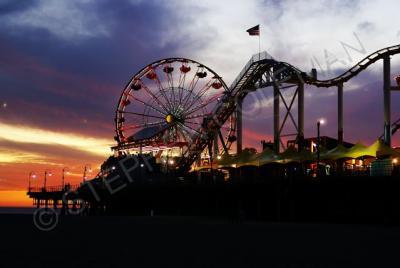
{"type": "Point", "coordinates": [14, 199]}
{"type": "Point", "coordinates": [28, 149]}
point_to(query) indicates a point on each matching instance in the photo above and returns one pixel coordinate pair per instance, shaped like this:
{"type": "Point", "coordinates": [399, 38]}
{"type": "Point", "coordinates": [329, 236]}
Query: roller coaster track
{"type": "Point", "coordinates": [249, 79]}
{"type": "Point", "coordinates": [356, 69]}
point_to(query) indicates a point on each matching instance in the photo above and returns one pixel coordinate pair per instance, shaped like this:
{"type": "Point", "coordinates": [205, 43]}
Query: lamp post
{"type": "Point", "coordinates": [47, 172]}
{"type": "Point", "coordinates": [319, 123]}
{"type": "Point", "coordinates": [85, 171]}
{"type": "Point", "coordinates": [32, 175]}
{"type": "Point", "coordinates": [65, 170]}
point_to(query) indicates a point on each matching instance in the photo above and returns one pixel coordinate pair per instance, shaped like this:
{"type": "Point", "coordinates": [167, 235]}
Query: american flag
{"type": "Point", "coordinates": [254, 30]}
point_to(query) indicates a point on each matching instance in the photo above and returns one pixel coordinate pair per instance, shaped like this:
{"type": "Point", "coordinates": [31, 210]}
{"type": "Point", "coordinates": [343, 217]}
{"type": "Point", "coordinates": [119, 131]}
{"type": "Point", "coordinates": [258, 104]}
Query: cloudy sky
{"type": "Point", "coordinates": [63, 65]}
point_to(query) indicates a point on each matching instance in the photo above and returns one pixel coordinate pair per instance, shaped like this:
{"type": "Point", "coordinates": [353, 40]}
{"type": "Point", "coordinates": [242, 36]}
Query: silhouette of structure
{"type": "Point", "coordinates": [177, 114]}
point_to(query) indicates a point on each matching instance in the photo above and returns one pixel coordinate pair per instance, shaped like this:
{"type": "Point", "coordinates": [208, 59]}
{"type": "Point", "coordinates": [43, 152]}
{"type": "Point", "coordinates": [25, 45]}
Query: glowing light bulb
{"type": "Point", "coordinates": [169, 118]}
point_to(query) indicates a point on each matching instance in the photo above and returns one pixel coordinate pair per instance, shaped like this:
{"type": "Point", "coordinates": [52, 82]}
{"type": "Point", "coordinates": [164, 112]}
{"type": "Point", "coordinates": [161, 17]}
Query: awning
{"type": "Point", "coordinates": [336, 153]}
{"type": "Point", "coordinates": [380, 149]}
{"type": "Point", "coordinates": [359, 150]}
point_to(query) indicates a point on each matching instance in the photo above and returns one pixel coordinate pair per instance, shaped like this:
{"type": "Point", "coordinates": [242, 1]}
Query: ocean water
{"type": "Point", "coordinates": [17, 210]}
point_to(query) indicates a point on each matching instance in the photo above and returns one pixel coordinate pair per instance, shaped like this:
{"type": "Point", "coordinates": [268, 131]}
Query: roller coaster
{"type": "Point", "coordinates": [178, 111]}
{"type": "Point", "coordinates": [193, 112]}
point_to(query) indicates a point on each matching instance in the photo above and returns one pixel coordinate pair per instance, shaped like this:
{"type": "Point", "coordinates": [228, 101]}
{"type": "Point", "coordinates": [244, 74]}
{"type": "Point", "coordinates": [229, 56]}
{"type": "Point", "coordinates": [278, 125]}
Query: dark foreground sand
{"type": "Point", "coordinates": [190, 242]}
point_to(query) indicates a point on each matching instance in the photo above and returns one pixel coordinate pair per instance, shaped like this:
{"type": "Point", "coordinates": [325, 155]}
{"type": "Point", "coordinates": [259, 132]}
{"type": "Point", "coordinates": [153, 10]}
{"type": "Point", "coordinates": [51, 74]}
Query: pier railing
{"type": "Point", "coordinates": [50, 189]}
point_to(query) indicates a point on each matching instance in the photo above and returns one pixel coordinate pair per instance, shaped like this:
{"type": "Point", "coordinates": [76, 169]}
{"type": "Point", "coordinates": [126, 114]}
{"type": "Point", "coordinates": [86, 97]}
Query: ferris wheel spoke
{"type": "Point", "coordinates": [162, 91]}
{"type": "Point", "coordinates": [186, 98]}
{"type": "Point", "coordinates": [140, 114]}
{"type": "Point", "coordinates": [182, 79]}
{"type": "Point", "coordinates": [170, 80]}
{"type": "Point", "coordinates": [171, 85]}
{"type": "Point", "coordinates": [186, 126]}
{"type": "Point", "coordinates": [185, 136]}
{"type": "Point", "coordinates": [148, 105]}
{"type": "Point", "coordinates": [192, 86]}
{"type": "Point", "coordinates": [198, 123]}
{"type": "Point", "coordinates": [143, 125]}
{"type": "Point", "coordinates": [221, 127]}
{"type": "Point", "coordinates": [208, 102]}
{"type": "Point", "coordinates": [194, 81]}
{"type": "Point", "coordinates": [154, 97]}
{"type": "Point", "coordinates": [197, 115]}
{"type": "Point", "coordinates": [199, 95]}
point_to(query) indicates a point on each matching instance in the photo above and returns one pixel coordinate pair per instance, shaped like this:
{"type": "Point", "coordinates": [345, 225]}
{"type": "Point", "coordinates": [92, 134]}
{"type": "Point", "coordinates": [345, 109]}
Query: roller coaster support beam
{"type": "Point", "coordinates": [340, 113]}
{"type": "Point", "coordinates": [222, 141]}
{"type": "Point", "coordinates": [300, 116]}
{"type": "Point", "coordinates": [386, 99]}
{"type": "Point", "coordinates": [216, 147]}
{"type": "Point", "coordinates": [239, 124]}
{"type": "Point", "coordinates": [276, 118]}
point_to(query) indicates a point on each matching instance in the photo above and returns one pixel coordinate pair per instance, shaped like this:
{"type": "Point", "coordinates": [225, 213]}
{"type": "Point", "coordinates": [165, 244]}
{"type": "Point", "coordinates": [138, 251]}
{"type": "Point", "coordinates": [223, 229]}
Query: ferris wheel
{"type": "Point", "coordinates": [165, 104]}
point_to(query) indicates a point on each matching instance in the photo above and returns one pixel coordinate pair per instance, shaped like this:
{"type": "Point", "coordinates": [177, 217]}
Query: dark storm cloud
{"type": "Point", "coordinates": [8, 7]}
{"type": "Point", "coordinates": [73, 84]}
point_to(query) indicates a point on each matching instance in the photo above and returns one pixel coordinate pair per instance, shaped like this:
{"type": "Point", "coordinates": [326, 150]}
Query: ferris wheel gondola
{"type": "Point", "coordinates": [164, 106]}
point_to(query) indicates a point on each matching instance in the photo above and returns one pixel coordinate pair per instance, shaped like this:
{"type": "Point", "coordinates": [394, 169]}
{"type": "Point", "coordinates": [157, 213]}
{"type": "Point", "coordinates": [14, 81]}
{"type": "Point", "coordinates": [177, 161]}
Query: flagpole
{"type": "Point", "coordinates": [259, 42]}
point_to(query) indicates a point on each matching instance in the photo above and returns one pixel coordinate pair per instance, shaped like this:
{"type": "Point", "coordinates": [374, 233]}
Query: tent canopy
{"type": "Point", "coordinates": [380, 149]}
{"type": "Point", "coordinates": [359, 150]}
{"type": "Point", "coordinates": [336, 153]}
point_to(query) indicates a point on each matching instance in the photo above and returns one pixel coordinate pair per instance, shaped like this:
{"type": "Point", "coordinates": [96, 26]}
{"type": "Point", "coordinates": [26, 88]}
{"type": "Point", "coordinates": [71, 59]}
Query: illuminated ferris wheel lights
{"type": "Point", "coordinates": [216, 85]}
{"type": "Point", "coordinates": [169, 118]}
{"type": "Point", "coordinates": [170, 109]}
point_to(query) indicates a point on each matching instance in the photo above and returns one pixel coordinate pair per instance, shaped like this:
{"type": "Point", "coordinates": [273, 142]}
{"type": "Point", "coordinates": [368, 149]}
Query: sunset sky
{"type": "Point", "coordinates": [63, 65]}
